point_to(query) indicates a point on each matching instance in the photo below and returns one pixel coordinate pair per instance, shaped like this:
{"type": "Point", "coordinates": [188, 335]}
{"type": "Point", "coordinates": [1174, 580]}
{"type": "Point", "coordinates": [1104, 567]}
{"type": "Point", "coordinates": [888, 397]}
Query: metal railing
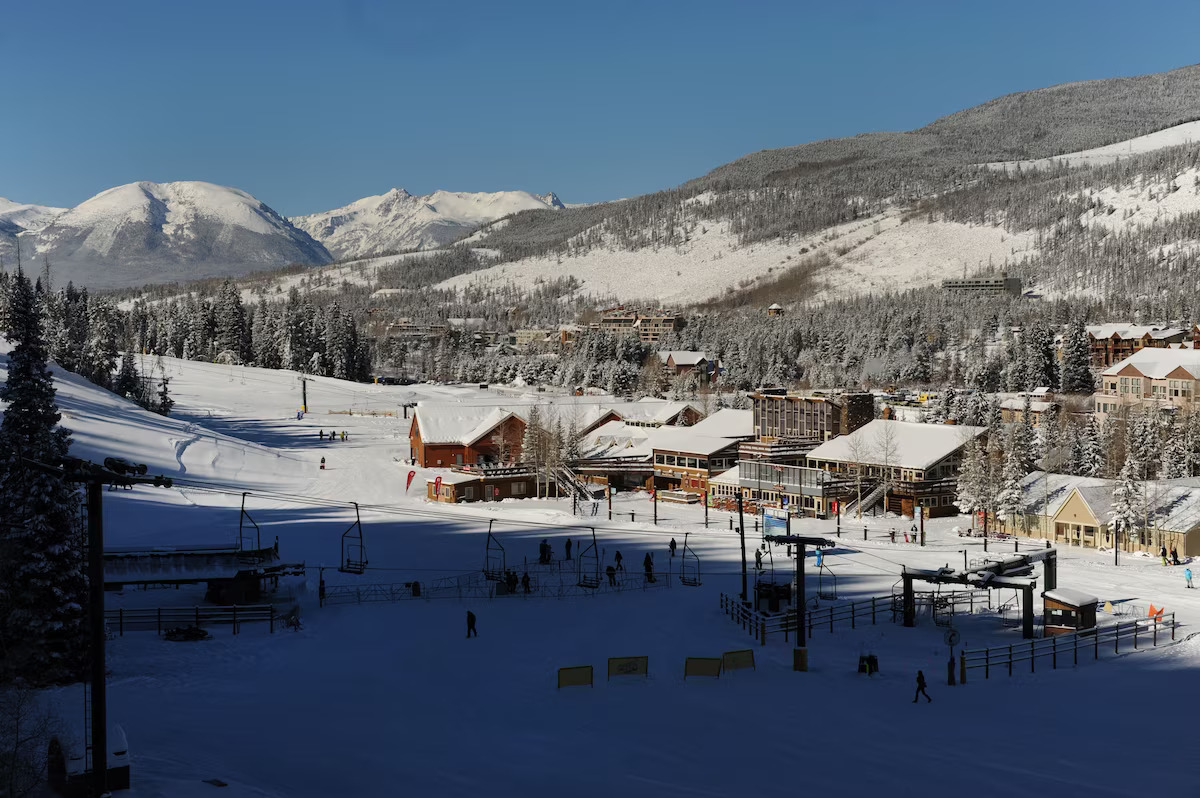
{"type": "Point", "coordinates": [160, 618]}
{"type": "Point", "coordinates": [1135, 634]}
{"type": "Point", "coordinates": [850, 614]}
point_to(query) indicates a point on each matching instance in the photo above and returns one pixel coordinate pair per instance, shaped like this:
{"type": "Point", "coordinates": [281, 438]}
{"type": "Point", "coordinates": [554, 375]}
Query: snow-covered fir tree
{"type": "Point", "coordinates": [43, 634]}
{"type": "Point", "coordinates": [1126, 510]}
{"type": "Point", "coordinates": [1077, 360]}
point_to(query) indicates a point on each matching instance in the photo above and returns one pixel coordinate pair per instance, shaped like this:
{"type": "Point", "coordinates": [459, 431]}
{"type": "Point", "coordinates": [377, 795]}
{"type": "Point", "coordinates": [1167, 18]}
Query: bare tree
{"type": "Point", "coordinates": [25, 729]}
{"type": "Point", "coordinates": [887, 453]}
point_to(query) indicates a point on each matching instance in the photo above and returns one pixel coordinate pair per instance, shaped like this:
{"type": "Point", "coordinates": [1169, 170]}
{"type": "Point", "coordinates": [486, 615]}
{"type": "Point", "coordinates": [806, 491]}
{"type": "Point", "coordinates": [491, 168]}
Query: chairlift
{"type": "Point", "coordinates": [354, 554]}
{"type": "Point", "coordinates": [493, 560]}
{"type": "Point", "coordinates": [826, 583]}
{"type": "Point", "coordinates": [689, 565]}
{"type": "Point", "coordinates": [243, 531]}
{"type": "Point", "coordinates": [587, 565]}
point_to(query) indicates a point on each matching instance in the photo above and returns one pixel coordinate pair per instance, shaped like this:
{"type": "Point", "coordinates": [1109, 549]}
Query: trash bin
{"type": "Point", "coordinates": [800, 659]}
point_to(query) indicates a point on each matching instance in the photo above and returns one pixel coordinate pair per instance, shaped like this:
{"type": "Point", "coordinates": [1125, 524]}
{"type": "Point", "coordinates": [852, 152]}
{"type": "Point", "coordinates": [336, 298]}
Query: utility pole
{"type": "Point", "coordinates": [742, 534]}
{"type": "Point", "coordinates": [95, 478]}
{"type": "Point", "coordinates": [304, 394]}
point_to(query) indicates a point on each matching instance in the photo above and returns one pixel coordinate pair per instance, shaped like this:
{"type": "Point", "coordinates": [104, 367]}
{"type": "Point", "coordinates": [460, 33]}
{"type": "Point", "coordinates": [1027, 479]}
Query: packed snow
{"type": "Point", "coordinates": [375, 698]}
{"type": "Point", "coordinates": [875, 255]}
{"type": "Point", "coordinates": [1185, 133]}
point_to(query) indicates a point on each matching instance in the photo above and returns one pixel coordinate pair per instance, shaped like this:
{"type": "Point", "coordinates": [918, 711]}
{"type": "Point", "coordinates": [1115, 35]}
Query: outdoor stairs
{"type": "Point", "coordinates": [571, 480]}
{"type": "Point", "coordinates": [868, 500]}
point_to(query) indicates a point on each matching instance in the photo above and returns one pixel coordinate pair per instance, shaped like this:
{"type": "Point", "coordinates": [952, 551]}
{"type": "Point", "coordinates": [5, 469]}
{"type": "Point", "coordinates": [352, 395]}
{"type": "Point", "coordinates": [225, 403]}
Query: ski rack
{"type": "Point", "coordinates": [591, 553]}
{"type": "Point", "coordinates": [354, 554]}
{"type": "Point", "coordinates": [493, 558]}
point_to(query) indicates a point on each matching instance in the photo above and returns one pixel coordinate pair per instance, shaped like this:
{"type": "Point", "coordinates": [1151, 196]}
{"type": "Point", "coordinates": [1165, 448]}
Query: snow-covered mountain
{"type": "Point", "coordinates": [164, 232]}
{"type": "Point", "coordinates": [18, 217]}
{"type": "Point", "coordinates": [398, 220]}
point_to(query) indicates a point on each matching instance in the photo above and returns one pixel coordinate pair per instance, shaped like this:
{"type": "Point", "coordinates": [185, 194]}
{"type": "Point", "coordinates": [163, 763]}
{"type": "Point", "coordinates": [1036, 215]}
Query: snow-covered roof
{"type": "Point", "coordinates": [1045, 493]}
{"type": "Point", "coordinates": [617, 439]}
{"type": "Point", "coordinates": [686, 439]}
{"type": "Point", "coordinates": [1019, 405]}
{"type": "Point", "coordinates": [727, 423]}
{"type": "Point", "coordinates": [1075, 598]}
{"type": "Point", "coordinates": [462, 424]}
{"type": "Point", "coordinates": [774, 306]}
{"type": "Point", "coordinates": [1173, 504]}
{"type": "Point", "coordinates": [454, 478]}
{"type": "Point", "coordinates": [915, 445]}
{"type": "Point", "coordinates": [651, 410]}
{"type": "Point", "coordinates": [682, 357]}
{"type": "Point", "coordinates": [730, 477]}
{"type": "Point", "coordinates": [1157, 363]}
{"type": "Point", "coordinates": [1130, 331]}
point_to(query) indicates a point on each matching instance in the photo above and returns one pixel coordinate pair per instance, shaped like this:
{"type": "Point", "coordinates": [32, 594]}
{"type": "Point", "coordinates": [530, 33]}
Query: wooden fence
{"type": "Point", "coordinates": [161, 618]}
{"type": "Point", "coordinates": [1134, 634]}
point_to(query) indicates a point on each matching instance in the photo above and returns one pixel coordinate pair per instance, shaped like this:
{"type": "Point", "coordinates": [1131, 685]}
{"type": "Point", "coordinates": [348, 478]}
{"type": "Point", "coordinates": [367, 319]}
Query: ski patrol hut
{"type": "Point", "coordinates": [1066, 611]}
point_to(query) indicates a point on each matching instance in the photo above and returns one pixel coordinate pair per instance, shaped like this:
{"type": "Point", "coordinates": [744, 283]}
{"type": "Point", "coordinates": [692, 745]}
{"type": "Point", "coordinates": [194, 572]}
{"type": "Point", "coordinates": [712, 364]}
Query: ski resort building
{"type": "Point", "coordinates": [901, 464]}
{"type": "Point", "coordinates": [1164, 378]}
{"type": "Point", "coordinates": [998, 284]}
{"type": "Point", "coordinates": [682, 363]}
{"type": "Point", "coordinates": [647, 325]}
{"type": "Point", "coordinates": [1077, 511]}
{"type": "Point", "coordinates": [484, 483]}
{"type": "Point", "coordinates": [1112, 343]}
{"type": "Point", "coordinates": [685, 460]}
{"type": "Point", "coordinates": [444, 436]}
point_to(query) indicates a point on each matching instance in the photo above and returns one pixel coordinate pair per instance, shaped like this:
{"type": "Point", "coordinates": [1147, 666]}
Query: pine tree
{"type": "Point", "coordinates": [165, 402]}
{"type": "Point", "coordinates": [1077, 361]}
{"type": "Point", "coordinates": [1010, 499]}
{"type": "Point", "coordinates": [43, 634]}
{"type": "Point", "coordinates": [1127, 501]}
{"type": "Point", "coordinates": [1174, 461]}
{"type": "Point", "coordinates": [972, 477]}
{"type": "Point", "coordinates": [1092, 463]}
{"type": "Point", "coordinates": [127, 383]}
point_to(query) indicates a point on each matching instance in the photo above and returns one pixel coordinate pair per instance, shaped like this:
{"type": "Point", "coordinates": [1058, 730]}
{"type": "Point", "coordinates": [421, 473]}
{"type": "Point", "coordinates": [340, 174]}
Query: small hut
{"type": "Point", "coordinates": [1067, 611]}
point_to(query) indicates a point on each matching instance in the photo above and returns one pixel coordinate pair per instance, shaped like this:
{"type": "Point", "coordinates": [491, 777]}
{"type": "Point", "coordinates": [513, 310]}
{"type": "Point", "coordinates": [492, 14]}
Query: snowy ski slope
{"type": "Point", "coordinates": [379, 699]}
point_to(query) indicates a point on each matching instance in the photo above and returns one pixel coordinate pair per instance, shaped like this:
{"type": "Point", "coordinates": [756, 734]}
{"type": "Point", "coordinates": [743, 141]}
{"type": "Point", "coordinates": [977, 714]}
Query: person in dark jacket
{"type": "Point", "coordinates": [612, 575]}
{"type": "Point", "coordinates": [671, 546]}
{"type": "Point", "coordinates": [617, 557]}
{"type": "Point", "coordinates": [568, 548]}
{"type": "Point", "coordinates": [921, 688]}
{"type": "Point", "coordinates": [648, 565]}
{"type": "Point", "coordinates": [525, 581]}
{"type": "Point", "coordinates": [471, 624]}
{"type": "Point", "coordinates": [1174, 556]}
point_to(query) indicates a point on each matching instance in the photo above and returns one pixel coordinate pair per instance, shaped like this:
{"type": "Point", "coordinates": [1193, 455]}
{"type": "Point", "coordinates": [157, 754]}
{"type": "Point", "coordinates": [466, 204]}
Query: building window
{"type": "Point", "coordinates": [518, 489]}
{"type": "Point", "coordinates": [469, 492]}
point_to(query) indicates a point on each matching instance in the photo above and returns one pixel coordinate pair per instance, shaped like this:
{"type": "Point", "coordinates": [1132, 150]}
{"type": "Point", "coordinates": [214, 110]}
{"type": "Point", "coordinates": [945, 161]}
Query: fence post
{"type": "Point", "coordinates": [121, 621]}
{"type": "Point", "coordinates": [160, 621]}
{"type": "Point", "coordinates": [853, 612]}
{"type": "Point", "coordinates": [1135, 630]}
{"type": "Point", "coordinates": [1076, 648]}
{"type": "Point", "coordinates": [235, 628]}
{"type": "Point", "coordinates": [1054, 653]}
{"type": "Point", "coordinates": [987, 663]}
{"type": "Point", "coordinates": [1032, 657]}
{"type": "Point", "coordinates": [271, 618]}
{"type": "Point", "coordinates": [1172, 626]}
{"type": "Point", "coordinates": [197, 617]}
{"type": "Point", "coordinates": [873, 610]}
{"type": "Point", "coordinates": [1010, 659]}
{"type": "Point", "coordinates": [962, 667]}
{"type": "Point", "coordinates": [1156, 634]}
{"type": "Point", "coordinates": [1117, 639]}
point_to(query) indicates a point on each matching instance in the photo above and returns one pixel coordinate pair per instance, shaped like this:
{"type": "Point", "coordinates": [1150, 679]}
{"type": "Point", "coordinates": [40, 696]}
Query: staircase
{"type": "Point", "coordinates": [868, 500]}
{"type": "Point", "coordinates": [570, 480]}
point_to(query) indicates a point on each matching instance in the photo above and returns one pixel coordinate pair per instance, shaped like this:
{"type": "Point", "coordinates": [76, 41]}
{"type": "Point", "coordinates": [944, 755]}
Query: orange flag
{"type": "Point", "coordinates": [1154, 611]}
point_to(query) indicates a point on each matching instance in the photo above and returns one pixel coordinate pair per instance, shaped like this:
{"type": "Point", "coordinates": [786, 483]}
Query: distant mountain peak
{"type": "Point", "coordinates": [398, 221]}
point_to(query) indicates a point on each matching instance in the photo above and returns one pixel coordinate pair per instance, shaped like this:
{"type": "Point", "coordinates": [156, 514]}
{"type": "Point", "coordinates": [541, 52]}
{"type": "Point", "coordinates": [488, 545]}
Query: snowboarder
{"type": "Point", "coordinates": [921, 688]}
{"type": "Point", "coordinates": [568, 547]}
{"type": "Point", "coordinates": [471, 630]}
{"type": "Point", "coordinates": [612, 576]}
{"type": "Point", "coordinates": [1174, 556]}
{"type": "Point", "coordinates": [671, 546]}
{"type": "Point", "coordinates": [1188, 576]}
{"type": "Point", "coordinates": [648, 565]}
{"type": "Point", "coordinates": [617, 557]}
{"type": "Point", "coordinates": [525, 581]}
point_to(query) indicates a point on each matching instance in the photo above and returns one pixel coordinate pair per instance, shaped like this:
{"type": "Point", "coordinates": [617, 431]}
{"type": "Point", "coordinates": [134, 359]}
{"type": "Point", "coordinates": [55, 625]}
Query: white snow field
{"type": "Point", "coordinates": [873, 255]}
{"type": "Point", "coordinates": [1174, 136]}
{"type": "Point", "coordinates": [384, 699]}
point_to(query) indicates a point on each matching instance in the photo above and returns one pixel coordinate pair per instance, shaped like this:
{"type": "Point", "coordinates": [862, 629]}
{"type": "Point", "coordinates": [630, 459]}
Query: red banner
{"type": "Point", "coordinates": [408, 484]}
{"type": "Point", "coordinates": [437, 487]}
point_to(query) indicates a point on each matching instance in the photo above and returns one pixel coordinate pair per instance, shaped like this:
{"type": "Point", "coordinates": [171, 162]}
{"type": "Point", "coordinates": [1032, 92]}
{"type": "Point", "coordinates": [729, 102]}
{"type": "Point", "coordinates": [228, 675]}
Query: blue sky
{"type": "Point", "coordinates": [311, 105]}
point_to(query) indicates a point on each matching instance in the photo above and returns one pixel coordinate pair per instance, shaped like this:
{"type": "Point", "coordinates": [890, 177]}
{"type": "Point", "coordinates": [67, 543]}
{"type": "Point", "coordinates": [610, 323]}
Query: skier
{"type": "Point", "coordinates": [892, 534]}
{"type": "Point", "coordinates": [471, 630]}
{"type": "Point", "coordinates": [1174, 556]}
{"type": "Point", "coordinates": [820, 558]}
{"type": "Point", "coordinates": [525, 581]}
{"type": "Point", "coordinates": [1188, 576]}
{"type": "Point", "coordinates": [671, 546]}
{"type": "Point", "coordinates": [1163, 553]}
{"type": "Point", "coordinates": [568, 547]}
{"type": "Point", "coordinates": [921, 688]}
{"type": "Point", "coordinates": [617, 557]}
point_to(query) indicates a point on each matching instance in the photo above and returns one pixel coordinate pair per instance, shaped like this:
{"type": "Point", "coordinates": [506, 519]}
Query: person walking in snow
{"type": "Point", "coordinates": [568, 547]}
{"type": "Point", "coordinates": [617, 557]}
{"type": "Point", "coordinates": [321, 434]}
{"type": "Point", "coordinates": [758, 559]}
{"type": "Point", "coordinates": [471, 630]}
{"type": "Point", "coordinates": [671, 546]}
{"type": "Point", "coordinates": [648, 565]}
{"type": "Point", "coordinates": [1174, 556]}
{"type": "Point", "coordinates": [921, 688]}
{"type": "Point", "coordinates": [525, 581]}
{"type": "Point", "coordinates": [1188, 576]}
{"type": "Point", "coordinates": [612, 576]}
